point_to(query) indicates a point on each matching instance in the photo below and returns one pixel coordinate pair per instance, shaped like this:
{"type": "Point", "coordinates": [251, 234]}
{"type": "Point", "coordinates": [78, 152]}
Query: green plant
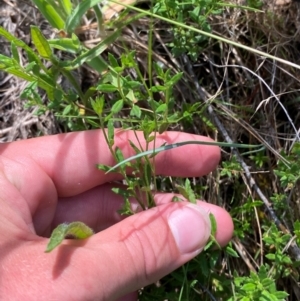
{"type": "Point", "coordinates": [258, 286]}
{"type": "Point", "coordinates": [289, 176]}
{"type": "Point", "coordinates": [277, 241]}
{"type": "Point", "coordinates": [197, 12]}
{"type": "Point", "coordinates": [129, 97]}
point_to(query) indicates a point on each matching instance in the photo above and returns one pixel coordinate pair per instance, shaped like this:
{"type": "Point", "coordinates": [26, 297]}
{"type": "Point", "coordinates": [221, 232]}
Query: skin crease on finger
{"type": "Point", "coordinates": [70, 165]}
{"type": "Point", "coordinates": [62, 169]}
{"type": "Point", "coordinates": [136, 260]}
{"type": "Point", "coordinates": [93, 209]}
{"type": "Point", "coordinates": [71, 158]}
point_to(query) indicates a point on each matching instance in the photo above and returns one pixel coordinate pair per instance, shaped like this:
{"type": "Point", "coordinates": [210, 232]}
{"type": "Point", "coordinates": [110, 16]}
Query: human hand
{"type": "Point", "coordinates": [50, 180]}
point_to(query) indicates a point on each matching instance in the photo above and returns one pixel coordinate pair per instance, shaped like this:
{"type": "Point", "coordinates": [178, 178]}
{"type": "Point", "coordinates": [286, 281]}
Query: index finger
{"type": "Point", "coordinates": [70, 159]}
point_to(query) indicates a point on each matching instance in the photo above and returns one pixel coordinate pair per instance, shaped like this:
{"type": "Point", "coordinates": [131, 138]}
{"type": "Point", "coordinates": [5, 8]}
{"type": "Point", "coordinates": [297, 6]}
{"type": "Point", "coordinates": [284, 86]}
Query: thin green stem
{"type": "Point", "coordinates": [179, 144]}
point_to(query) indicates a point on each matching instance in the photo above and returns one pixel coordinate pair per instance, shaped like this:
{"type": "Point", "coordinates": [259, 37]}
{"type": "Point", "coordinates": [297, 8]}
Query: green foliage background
{"type": "Point", "coordinates": [206, 67]}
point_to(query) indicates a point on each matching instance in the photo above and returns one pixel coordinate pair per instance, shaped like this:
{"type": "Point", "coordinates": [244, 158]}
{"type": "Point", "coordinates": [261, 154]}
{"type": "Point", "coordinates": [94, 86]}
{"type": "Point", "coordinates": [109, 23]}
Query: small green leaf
{"type": "Point", "coordinates": [14, 51]}
{"type": "Point", "coordinates": [213, 224]}
{"type": "Point", "coordinates": [158, 88]}
{"type": "Point", "coordinates": [176, 199]}
{"type": "Point", "coordinates": [189, 193]}
{"type": "Point", "coordinates": [182, 191]}
{"type": "Point", "coordinates": [98, 105]}
{"type": "Point", "coordinates": [130, 96]}
{"type": "Point", "coordinates": [267, 282]}
{"type": "Point", "coordinates": [209, 244]}
{"type": "Point", "coordinates": [212, 241]}
{"type": "Point", "coordinates": [40, 42]}
{"type": "Point", "coordinates": [117, 107]}
{"type": "Point", "coordinates": [119, 154]}
{"type": "Point", "coordinates": [271, 256]}
{"type": "Point", "coordinates": [231, 252]}
{"type": "Point", "coordinates": [175, 78]}
{"type": "Point", "coordinates": [158, 69]}
{"type": "Point", "coordinates": [77, 230]}
{"type": "Point", "coordinates": [57, 237]}
{"type": "Point", "coordinates": [107, 88]}
{"type": "Point", "coordinates": [20, 73]}
{"type": "Point", "coordinates": [120, 157]}
{"type": "Point", "coordinates": [65, 44]}
{"type": "Point", "coordinates": [103, 167]}
{"type": "Point", "coordinates": [135, 148]}
{"type": "Point", "coordinates": [30, 66]}
{"type": "Point", "coordinates": [6, 61]}
{"type": "Point", "coordinates": [249, 287]}
{"type": "Point", "coordinates": [111, 132]}
{"type": "Point", "coordinates": [112, 60]}
{"type": "Point", "coordinates": [67, 110]}
{"type": "Point", "coordinates": [136, 111]}
{"type": "Point", "coordinates": [133, 84]}
{"type": "Point", "coordinates": [280, 295]}
{"type": "Point", "coordinates": [162, 108]}
{"type": "Point", "coordinates": [150, 139]}
{"type": "Point", "coordinates": [163, 127]}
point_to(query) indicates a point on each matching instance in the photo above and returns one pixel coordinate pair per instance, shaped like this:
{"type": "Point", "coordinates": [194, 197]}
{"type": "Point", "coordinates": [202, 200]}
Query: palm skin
{"type": "Point", "coordinates": [50, 180]}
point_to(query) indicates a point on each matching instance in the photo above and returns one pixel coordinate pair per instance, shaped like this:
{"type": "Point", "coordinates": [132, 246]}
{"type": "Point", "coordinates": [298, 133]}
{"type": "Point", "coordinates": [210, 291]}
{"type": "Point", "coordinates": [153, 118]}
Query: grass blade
{"type": "Point", "coordinates": [40, 42]}
{"type": "Point", "coordinates": [66, 44]}
{"type": "Point", "coordinates": [94, 52]}
{"type": "Point", "coordinates": [175, 145]}
{"type": "Point", "coordinates": [49, 12]}
{"type": "Point", "coordinates": [67, 6]}
{"type": "Point", "coordinates": [74, 19]}
{"type": "Point", "coordinates": [208, 34]}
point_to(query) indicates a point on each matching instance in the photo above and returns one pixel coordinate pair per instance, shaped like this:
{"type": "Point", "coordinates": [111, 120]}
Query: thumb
{"type": "Point", "coordinates": [145, 247]}
{"type": "Point", "coordinates": [127, 256]}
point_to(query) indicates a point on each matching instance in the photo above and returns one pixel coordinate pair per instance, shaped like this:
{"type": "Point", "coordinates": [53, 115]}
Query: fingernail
{"type": "Point", "coordinates": [190, 226]}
